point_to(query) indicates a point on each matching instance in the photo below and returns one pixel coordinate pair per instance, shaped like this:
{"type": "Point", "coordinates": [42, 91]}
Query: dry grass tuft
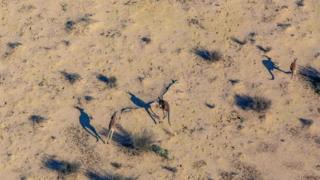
{"type": "Point", "coordinates": [255, 103]}
{"type": "Point", "coordinates": [208, 56]}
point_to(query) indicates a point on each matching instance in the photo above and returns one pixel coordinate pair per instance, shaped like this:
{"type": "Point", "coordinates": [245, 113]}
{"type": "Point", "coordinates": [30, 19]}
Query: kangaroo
{"type": "Point", "coordinates": [112, 124]}
{"type": "Point", "coordinates": [293, 67]}
{"type": "Point", "coordinates": [164, 105]}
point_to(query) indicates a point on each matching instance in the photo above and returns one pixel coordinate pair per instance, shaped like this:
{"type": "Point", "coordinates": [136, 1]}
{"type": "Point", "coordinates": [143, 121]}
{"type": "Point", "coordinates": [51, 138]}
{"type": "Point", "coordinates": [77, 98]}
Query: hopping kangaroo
{"type": "Point", "coordinates": [293, 67]}
{"type": "Point", "coordinates": [112, 124]}
{"type": "Point", "coordinates": [164, 105]}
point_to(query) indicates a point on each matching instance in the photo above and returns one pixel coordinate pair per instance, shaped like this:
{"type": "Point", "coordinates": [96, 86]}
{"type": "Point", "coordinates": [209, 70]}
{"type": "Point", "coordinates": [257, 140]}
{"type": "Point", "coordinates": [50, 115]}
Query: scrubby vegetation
{"type": "Point", "coordinates": [111, 81]}
{"type": "Point", "coordinates": [264, 49]}
{"type": "Point", "coordinates": [69, 25]}
{"type": "Point", "coordinates": [61, 167]}
{"type": "Point", "coordinates": [312, 76]}
{"type": "Point", "coordinates": [208, 135]}
{"type": "Point", "coordinates": [93, 175]}
{"type": "Point", "coordinates": [116, 165]}
{"type": "Point", "coordinates": [255, 103]}
{"type": "Point", "coordinates": [306, 122]}
{"type": "Point", "coordinates": [143, 141]}
{"type": "Point", "coordinates": [171, 169]}
{"type": "Point", "coordinates": [238, 41]}
{"type": "Point", "coordinates": [88, 98]}
{"type": "Point", "coordinates": [146, 40]}
{"type": "Point", "coordinates": [160, 151]}
{"type": "Point", "coordinates": [36, 119]}
{"type": "Point", "coordinates": [71, 77]}
{"type": "Point", "coordinates": [241, 171]}
{"type": "Point", "coordinates": [139, 143]}
{"type": "Point", "coordinates": [14, 44]}
{"type": "Point", "coordinates": [208, 56]}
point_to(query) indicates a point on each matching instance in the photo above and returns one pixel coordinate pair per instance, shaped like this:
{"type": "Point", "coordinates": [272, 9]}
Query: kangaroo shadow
{"type": "Point", "coordinates": [85, 123]}
{"type": "Point", "coordinates": [146, 105]}
{"type": "Point", "coordinates": [271, 66]}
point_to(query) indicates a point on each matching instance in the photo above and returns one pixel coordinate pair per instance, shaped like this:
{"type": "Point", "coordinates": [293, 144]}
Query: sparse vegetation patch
{"type": "Point", "coordinates": [140, 142]}
{"type": "Point", "coordinates": [14, 45]}
{"type": "Point", "coordinates": [306, 122]}
{"type": "Point", "coordinates": [71, 77]}
{"type": "Point", "coordinates": [312, 76]}
{"type": "Point", "coordinates": [93, 175]}
{"type": "Point", "coordinates": [143, 141]}
{"type": "Point", "coordinates": [171, 169]}
{"type": "Point", "coordinates": [111, 81]}
{"type": "Point", "coordinates": [160, 151]}
{"type": "Point", "coordinates": [255, 103]}
{"type": "Point", "coordinates": [36, 119]}
{"type": "Point", "coordinates": [208, 56]}
{"type": "Point", "coordinates": [60, 166]}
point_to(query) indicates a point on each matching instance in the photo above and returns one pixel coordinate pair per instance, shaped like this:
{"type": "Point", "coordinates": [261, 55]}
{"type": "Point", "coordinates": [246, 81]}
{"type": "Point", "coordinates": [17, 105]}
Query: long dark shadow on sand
{"type": "Point", "coordinates": [85, 123]}
{"type": "Point", "coordinates": [145, 105]}
{"type": "Point", "coordinates": [271, 66]}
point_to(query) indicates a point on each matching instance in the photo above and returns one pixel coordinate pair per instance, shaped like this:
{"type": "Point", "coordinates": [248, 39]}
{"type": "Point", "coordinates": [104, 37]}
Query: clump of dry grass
{"type": "Point", "coordinates": [300, 3]}
{"type": "Point", "coordinates": [69, 25]}
{"type": "Point", "coordinates": [93, 175]}
{"type": "Point", "coordinates": [14, 45]}
{"type": "Point", "coordinates": [36, 119]}
{"type": "Point", "coordinates": [88, 98]}
{"type": "Point", "coordinates": [138, 143]}
{"type": "Point", "coordinates": [241, 171]}
{"type": "Point", "coordinates": [312, 76]}
{"type": "Point", "coordinates": [306, 122]}
{"type": "Point", "coordinates": [71, 77]}
{"type": "Point", "coordinates": [255, 103]}
{"type": "Point", "coordinates": [146, 40]}
{"type": "Point", "coordinates": [264, 49]}
{"type": "Point", "coordinates": [11, 48]}
{"type": "Point", "coordinates": [61, 167]}
{"type": "Point", "coordinates": [116, 165]}
{"type": "Point", "coordinates": [238, 41]}
{"type": "Point", "coordinates": [111, 81]}
{"type": "Point", "coordinates": [208, 56]}
{"type": "Point", "coordinates": [225, 175]}
{"type": "Point", "coordinates": [143, 141]}
{"type": "Point", "coordinates": [171, 169]}
{"type": "Point", "coordinates": [260, 104]}
{"type": "Point", "coordinates": [160, 151]}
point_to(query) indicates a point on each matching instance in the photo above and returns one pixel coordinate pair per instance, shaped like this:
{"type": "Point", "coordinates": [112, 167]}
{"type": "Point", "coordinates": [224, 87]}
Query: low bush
{"type": "Point", "coordinates": [312, 76]}
{"type": "Point", "coordinates": [208, 56]}
{"type": "Point", "coordinates": [255, 103]}
{"type": "Point", "coordinates": [61, 167]}
{"type": "Point", "coordinates": [71, 77]}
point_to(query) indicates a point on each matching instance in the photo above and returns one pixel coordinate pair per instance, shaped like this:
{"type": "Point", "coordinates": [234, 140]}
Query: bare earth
{"type": "Point", "coordinates": [145, 44]}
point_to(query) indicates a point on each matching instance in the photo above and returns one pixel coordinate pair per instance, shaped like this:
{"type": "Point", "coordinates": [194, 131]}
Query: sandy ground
{"type": "Point", "coordinates": [105, 37]}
